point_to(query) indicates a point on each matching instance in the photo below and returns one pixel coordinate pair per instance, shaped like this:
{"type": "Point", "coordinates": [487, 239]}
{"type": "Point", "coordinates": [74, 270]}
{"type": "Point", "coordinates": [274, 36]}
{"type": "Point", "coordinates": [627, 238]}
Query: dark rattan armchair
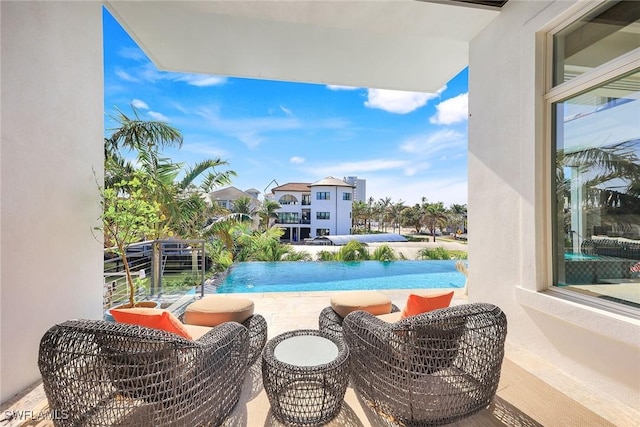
{"type": "Point", "coordinates": [330, 322]}
{"type": "Point", "coordinates": [431, 369]}
{"type": "Point", "coordinates": [98, 373]}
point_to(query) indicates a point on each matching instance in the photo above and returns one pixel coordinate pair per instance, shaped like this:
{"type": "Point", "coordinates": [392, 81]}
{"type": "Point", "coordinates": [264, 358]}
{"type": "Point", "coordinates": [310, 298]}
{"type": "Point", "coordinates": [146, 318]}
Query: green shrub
{"type": "Point", "coordinates": [434, 253]}
{"type": "Point", "coordinates": [352, 251]}
{"type": "Point", "coordinates": [326, 256]}
{"type": "Point", "coordinates": [384, 253]}
{"type": "Point", "coordinates": [455, 254]}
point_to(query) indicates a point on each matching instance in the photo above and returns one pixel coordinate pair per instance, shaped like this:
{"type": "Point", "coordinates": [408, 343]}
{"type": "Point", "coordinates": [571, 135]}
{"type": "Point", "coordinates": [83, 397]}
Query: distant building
{"type": "Point", "coordinates": [310, 210]}
{"type": "Point", "coordinates": [226, 196]}
{"type": "Point", "coordinates": [359, 188]}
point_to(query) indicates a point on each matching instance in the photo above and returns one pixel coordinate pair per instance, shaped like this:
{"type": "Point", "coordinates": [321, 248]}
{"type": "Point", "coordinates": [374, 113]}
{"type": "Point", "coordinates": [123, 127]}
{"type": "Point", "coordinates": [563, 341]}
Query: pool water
{"type": "Point", "coordinates": [569, 256]}
{"type": "Point", "coordinates": [298, 276]}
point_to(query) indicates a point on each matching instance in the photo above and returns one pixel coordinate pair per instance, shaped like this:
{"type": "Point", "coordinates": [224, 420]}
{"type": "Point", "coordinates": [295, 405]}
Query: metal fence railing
{"type": "Point", "coordinates": [164, 271]}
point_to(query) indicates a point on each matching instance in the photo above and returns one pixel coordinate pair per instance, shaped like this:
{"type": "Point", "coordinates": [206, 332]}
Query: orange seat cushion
{"type": "Point", "coordinates": [418, 304]}
{"type": "Point", "coordinates": [151, 318]}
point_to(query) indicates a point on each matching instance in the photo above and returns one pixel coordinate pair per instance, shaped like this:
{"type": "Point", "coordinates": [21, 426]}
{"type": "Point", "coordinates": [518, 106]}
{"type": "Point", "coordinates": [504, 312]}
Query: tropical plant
{"type": "Point", "coordinates": [434, 253]}
{"type": "Point", "coordinates": [358, 215]}
{"type": "Point", "coordinates": [384, 211]}
{"type": "Point", "coordinates": [221, 258]}
{"type": "Point", "coordinates": [136, 135]}
{"type": "Point", "coordinates": [412, 217]}
{"type": "Point", "coordinates": [128, 216]}
{"type": "Point", "coordinates": [457, 217]}
{"type": "Point", "coordinates": [185, 210]}
{"type": "Point", "coordinates": [243, 205]}
{"type": "Point", "coordinates": [384, 253]}
{"type": "Point", "coordinates": [268, 211]}
{"type": "Point", "coordinates": [326, 256]}
{"type": "Point", "coordinates": [434, 216]}
{"type": "Point", "coordinates": [266, 246]}
{"type": "Point", "coordinates": [352, 251]}
{"type": "Point", "coordinates": [395, 214]}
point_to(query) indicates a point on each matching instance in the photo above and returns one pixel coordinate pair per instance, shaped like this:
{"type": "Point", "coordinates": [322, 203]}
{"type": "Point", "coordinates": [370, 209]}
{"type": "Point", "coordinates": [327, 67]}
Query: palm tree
{"type": "Point", "coordinates": [610, 180]}
{"type": "Point", "coordinates": [369, 213]}
{"type": "Point", "coordinates": [358, 214]}
{"type": "Point", "coordinates": [434, 216]}
{"type": "Point", "coordinates": [184, 211]}
{"type": "Point", "coordinates": [412, 217]}
{"type": "Point", "coordinates": [395, 214]}
{"type": "Point", "coordinates": [136, 135]}
{"type": "Point", "coordinates": [458, 216]}
{"type": "Point", "coordinates": [267, 212]}
{"type": "Point", "coordinates": [243, 205]}
{"type": "Point", "coordinates": [141, 135]}
{"type": "Point", "coordinates": [384, 206]}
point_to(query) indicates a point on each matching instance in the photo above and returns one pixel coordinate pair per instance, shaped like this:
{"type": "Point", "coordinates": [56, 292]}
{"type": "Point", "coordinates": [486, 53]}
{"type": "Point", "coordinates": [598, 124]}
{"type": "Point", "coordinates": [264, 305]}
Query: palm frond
{"type": "Point", "coordinates": [137, 134]}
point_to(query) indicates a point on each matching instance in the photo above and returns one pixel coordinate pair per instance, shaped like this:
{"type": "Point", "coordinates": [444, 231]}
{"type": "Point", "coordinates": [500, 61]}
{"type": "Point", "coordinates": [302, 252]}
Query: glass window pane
{"type": "Point", "coordinates": [597, 157]}
{"type": "Point", "coordinates": [596, 39]}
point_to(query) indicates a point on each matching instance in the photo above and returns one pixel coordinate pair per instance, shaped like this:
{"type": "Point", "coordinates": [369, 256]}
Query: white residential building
{"type": "Point", "coordinates": [359, 188]}
{"type": "Point", "coordinates": [310, 210]}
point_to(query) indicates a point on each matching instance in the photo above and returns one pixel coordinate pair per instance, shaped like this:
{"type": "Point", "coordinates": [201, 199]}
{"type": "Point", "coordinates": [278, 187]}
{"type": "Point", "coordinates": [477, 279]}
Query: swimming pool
{"type": "Point", "coordinates": [334, 276]}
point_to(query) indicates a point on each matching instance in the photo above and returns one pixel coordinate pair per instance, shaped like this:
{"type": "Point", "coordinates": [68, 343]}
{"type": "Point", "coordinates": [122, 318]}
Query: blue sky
{"type": "Point", "coordinates": [406, 145]}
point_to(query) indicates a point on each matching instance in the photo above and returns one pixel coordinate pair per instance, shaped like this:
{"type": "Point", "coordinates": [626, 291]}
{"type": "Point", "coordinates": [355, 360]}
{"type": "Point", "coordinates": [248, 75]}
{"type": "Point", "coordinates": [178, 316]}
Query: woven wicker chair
{"type": "Point", "coordinates": [330, 322]}
{"type": "Point", "coordinates": [98, 373]}
{"type": "Point", "coordinates": [257, 327]}
{"type": "Point", "coordinates": [432, 369]}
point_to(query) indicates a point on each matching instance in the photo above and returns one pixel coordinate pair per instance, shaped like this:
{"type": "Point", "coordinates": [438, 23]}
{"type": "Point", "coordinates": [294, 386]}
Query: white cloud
{"type": "Point", "coordinates": [253, 131]}
{"type": "Point", "coordinates": [428, 145]}
{"type": "Point", "coordinates": [296, 160]}
{"type": "Point", "coordinates": [126, 76]}
{"type": "Point", "coordinates": [205, 148]}
{"type": "Point", "coordinates": [132, 53]}
{"type": "Point", "coordinates": [158, 116]}
{"type": "Point", "coordinates": [149, 73]}
{"type": "Point", "coordinates": [338, 87]}
{"type": "Point", "coordinates": [137, 103]}
{"type": "Point", "coordinates": [415, 168]}
{"type": "Point", "coordinates": [452, 110]}
{"type": "Point", "coordinates": [398, 102]}
{"type": "Point", "coordinates": [351, 168]}
{"type": "Point", "coordinates": [449, 190]}
{"type": "Point", "coordinates": [200, 80]}
{"type": "Point", "coordinates": [286, 111]}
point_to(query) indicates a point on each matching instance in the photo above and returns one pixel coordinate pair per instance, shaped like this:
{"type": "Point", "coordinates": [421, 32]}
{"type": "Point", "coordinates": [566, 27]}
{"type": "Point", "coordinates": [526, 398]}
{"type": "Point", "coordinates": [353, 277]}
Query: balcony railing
{"type": "Point", "coordinates": [293, 221]}
{"type": "Point", "coordinates": [165, 271]}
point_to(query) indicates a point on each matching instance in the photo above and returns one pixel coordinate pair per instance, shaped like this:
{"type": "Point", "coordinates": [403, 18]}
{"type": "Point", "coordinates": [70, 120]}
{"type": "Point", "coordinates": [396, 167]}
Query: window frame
{"type": "Point", "coordinates": [322, 216]}
{"type": "Point", "coordinates": [604, 73]}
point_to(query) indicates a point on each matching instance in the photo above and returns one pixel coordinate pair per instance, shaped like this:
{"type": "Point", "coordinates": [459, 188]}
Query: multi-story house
{"type": "Point", "coordinates": [310, 210]}
{"type": "Point", "coordinates": [225, 197]}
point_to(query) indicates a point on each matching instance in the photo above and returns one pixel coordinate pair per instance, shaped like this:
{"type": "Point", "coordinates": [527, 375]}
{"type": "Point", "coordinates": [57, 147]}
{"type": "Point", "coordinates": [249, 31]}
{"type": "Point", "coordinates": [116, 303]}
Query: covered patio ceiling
{"type": "Point", "coordinates": [384, 44]}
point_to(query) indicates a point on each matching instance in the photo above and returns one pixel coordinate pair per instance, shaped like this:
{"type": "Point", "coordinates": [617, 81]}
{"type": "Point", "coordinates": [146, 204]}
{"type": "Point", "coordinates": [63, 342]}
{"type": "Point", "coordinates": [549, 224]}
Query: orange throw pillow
{"type": "Point", "coordinates": [418, 304]}
{"type": "Point", "coordinates": [151, 318]}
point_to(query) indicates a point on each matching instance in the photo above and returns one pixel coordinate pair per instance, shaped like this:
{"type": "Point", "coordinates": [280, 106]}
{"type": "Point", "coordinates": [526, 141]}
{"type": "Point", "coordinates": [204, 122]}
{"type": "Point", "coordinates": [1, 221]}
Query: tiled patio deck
{"type": "Point", "coordinates": [548, 398]}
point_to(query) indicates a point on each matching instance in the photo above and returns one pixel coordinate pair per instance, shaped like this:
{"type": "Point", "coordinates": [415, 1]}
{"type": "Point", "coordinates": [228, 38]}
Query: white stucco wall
{"type": "Point", "coordinates": [52, 133]}
{"type": "Point", "coordinates": [509, 211]}
{"type": "Point", "coordinates": [339, 221]}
